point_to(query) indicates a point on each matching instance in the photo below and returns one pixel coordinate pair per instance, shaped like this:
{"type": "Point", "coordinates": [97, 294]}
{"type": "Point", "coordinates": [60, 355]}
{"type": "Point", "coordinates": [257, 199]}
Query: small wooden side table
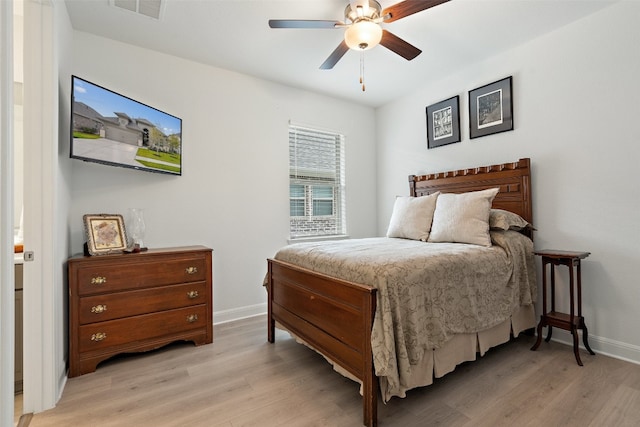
{"type": "Point", "coordinates": [570, 322]}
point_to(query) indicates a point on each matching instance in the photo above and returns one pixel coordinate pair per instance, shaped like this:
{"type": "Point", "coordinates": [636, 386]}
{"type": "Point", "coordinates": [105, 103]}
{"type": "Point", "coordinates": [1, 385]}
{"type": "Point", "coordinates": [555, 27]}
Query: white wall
{"type": "Point", "coordinates": [576, 116]}
{"type": "Point", "coordinates": [233, 194]}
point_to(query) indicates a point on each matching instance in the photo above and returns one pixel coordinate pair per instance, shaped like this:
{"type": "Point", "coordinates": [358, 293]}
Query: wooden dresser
{"type": "Point", "coordinates": [137, 302]}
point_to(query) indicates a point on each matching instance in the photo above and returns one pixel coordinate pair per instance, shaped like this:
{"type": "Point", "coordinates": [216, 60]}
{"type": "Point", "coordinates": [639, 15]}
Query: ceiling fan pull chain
{"type": "Point", "coordinates": [362, 70]}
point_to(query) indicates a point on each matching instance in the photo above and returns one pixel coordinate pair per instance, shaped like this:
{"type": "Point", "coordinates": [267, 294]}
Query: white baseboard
{"type": "Point", "coordinates": [600, 345]}
{"type": "Point", "coordinates": [239, 313]}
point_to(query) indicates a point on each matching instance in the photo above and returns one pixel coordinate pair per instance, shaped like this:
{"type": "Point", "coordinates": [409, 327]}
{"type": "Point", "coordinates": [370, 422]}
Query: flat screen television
{"type": "Point", "coordinates": [113, 129]}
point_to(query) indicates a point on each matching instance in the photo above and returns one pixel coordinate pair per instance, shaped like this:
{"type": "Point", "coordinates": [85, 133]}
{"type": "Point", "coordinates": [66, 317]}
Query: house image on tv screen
{"type": "Point", "coordinates": [122, 128]}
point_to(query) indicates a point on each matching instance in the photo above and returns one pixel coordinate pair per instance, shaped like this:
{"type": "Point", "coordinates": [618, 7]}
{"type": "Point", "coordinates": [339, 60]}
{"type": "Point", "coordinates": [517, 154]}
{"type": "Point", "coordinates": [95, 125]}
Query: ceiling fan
{"type": "Point", "coordinates": [362, 19]}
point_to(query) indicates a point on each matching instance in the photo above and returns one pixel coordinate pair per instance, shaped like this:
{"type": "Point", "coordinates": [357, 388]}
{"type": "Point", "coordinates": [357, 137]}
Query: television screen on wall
{"type": "Point", "coordinates": [113, 129]}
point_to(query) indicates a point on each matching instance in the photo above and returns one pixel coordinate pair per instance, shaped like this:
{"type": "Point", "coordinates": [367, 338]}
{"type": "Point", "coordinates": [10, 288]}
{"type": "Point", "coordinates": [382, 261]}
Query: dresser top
{"type": "Point", "coordinates": [154, 251]}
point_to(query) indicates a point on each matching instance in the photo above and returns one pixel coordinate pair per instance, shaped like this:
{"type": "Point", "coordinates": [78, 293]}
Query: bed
{"type": "Point", "coordinates": [358, 320]}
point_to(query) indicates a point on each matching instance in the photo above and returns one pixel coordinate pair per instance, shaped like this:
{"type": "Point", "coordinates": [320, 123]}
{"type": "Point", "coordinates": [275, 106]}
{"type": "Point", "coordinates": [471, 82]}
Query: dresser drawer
{"type": "Point", "coordinates": [103, 335]}
{"type": "Point", "coordinates": [98, 308]}
{"type": "Point", "coordinates": [107, 277]}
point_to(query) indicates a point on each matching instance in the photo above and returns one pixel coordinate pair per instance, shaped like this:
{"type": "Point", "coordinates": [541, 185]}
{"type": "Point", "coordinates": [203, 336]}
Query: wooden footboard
{"type": "Point", "coordinates": [334, 316]}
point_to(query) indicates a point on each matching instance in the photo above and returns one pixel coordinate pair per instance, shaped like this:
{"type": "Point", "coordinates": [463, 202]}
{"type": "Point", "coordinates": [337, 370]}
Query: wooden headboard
{"type": "Point", "coordinates": [513, 179]}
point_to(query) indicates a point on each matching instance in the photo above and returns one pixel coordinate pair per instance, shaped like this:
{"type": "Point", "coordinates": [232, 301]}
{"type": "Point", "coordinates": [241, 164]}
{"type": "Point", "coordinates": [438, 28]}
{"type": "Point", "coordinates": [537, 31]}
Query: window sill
{"type": "Point", "coordinates": [317, 238]}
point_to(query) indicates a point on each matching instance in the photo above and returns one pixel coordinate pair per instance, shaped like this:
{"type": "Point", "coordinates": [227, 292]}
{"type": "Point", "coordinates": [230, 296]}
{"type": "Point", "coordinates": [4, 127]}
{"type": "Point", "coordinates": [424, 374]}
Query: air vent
{"type": "Point", "coordinates": [149, 8]}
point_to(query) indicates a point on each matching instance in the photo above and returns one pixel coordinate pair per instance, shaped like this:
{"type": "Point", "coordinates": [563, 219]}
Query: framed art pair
{"type": "Point", "coordinates": [490, 111]}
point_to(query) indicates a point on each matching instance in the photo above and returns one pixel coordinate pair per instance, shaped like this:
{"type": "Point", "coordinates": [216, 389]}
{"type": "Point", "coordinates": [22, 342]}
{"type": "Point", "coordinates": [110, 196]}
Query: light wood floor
{"type": "Point", "coordinates": [17, 408]}
{"type": "Point", "coordinates": [241, 380]}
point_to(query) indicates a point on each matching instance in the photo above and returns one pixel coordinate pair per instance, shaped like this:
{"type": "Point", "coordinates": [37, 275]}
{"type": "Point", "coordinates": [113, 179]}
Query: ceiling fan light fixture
{"type": "Point", "coordinates": [363, 35]}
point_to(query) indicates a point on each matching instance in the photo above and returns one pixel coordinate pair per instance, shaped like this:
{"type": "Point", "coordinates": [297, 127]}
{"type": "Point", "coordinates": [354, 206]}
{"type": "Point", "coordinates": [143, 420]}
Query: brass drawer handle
{"type": "Point", "coordinates": [98, 336]}
{"type": "Point", "coordinates": [192, 318]}
{"type": "Point", "coordinates": [192, 294]}
{"type": "Point", "coordinates": [191, 270]}
{"type": "Point", "coordinates": [98, 280]}
{"type": "Point", "coordinates": [100, 308]}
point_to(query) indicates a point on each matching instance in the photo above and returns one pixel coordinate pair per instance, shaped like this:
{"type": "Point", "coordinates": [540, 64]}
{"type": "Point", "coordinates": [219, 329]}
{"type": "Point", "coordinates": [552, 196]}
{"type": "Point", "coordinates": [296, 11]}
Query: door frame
{"type": "Point", "coordinates": [7, 289]}
{"type": "Point", "coordinates": [43, 376]}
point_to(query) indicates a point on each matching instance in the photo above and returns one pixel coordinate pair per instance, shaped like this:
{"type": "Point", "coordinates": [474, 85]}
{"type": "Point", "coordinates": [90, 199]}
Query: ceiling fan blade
{"type": "Point", "coordinates": [302, 23]}
{"type": "Point", "coordinates": [399, 46]}
{"type": "Point", "coordinates": [335, 56]}
{"type": "Point", "coordinates": [409, 7]}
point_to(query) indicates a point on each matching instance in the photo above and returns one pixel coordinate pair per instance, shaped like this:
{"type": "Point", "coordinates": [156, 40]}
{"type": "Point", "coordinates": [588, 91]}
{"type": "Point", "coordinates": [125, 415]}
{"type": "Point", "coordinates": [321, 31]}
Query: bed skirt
{"type": "Point", "coordinates": [461, 348]}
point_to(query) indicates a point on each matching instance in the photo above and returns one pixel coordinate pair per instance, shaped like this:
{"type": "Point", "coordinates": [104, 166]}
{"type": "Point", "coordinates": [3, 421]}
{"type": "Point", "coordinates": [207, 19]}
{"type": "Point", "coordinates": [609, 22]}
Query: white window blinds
{"type": "Point", "coordinates": [316, 182]}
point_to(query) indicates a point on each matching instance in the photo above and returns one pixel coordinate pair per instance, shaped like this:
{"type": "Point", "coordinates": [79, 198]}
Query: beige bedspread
{"type": "Point", "coordinates": [427, 292]}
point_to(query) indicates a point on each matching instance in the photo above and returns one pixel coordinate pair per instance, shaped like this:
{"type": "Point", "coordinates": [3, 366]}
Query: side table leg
{"type": "Point", "coordinates": [576, 349]}
{"type": "Point", "coordinates": [585, 339]}
{"type": "Point", "coordinates": [539, 339]}
{"type": "Point", "coordinates": [548, 338]}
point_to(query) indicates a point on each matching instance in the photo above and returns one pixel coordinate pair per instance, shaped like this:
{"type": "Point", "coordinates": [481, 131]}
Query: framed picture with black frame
{"type": "Point", "coordinates": [443, 122]}
{"type": "Point", "coordinates": [491, 108]}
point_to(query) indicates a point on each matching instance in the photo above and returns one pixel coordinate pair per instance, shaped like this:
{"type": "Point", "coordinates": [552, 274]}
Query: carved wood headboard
{"type": "Point", "coordinates": [513, 179]}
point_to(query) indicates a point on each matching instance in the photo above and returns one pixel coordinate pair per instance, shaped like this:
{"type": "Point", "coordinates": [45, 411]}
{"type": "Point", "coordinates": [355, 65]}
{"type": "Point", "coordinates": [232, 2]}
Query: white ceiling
{"type": "Point", "coordinates": [234, 34]}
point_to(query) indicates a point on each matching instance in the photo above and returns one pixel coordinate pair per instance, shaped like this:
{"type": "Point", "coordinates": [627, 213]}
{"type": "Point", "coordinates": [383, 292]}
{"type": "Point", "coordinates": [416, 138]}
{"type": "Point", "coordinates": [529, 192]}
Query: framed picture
{"type": "Point", "coordinates": [443, 123]}
{"type": "Point", "coordinates": [105, 233]}
{"type": "Point", "coordinates": [491, 109]}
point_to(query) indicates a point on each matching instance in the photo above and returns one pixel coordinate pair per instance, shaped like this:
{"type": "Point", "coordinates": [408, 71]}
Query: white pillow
{"type": "Point", "coordinates": [463, 218]}
{"type": "Point", "coordinates": [412, 216]}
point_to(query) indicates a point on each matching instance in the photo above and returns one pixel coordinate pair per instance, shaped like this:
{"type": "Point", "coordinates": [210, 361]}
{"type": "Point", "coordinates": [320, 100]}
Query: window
{"type": "Point", "coordinates": [322, 196]}
{"type": "Point", "coordinates": [316, 183]}
{"type": "Point", "coordinates": [297, 197]}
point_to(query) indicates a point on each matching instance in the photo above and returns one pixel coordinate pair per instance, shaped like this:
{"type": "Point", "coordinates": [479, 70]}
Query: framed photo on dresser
{"type": "Point", "coordinates": [105, 233]}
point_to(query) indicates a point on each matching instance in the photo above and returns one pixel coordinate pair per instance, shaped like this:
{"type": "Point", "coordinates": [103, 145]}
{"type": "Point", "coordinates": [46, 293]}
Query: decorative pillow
{"type": "Point", "coordinates": [500, 219]}
{"type": "Point", "coordinates": [463, 218]}
{"type": "Point", "coordinates": [412, 216]}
